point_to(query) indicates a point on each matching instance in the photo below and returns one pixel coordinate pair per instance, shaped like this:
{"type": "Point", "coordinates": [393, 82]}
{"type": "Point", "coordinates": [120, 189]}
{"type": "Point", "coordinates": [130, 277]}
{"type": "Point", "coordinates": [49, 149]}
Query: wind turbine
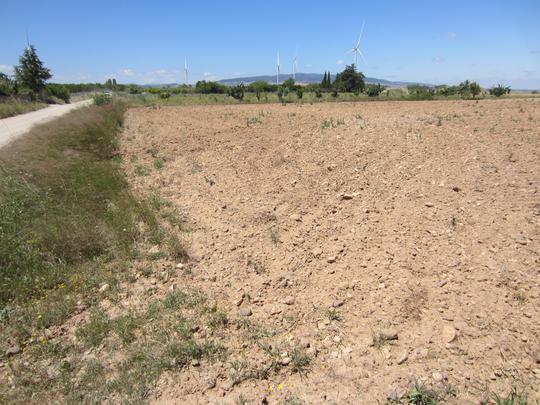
{"type": "Point", "coordinates": [278, 70]}
{"type": "Point", "coordinates": [186, 71]}
{"type": "Point", "coordinates": [356, 50]}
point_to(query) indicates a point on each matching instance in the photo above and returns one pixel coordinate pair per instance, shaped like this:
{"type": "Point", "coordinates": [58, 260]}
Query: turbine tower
{"type": "Point", "coordinates": [356, 50]}
{"type": "Point", "coordinates": [294, 66]}
{"type": "Point", "coordinates": [186, 71]}
{"type": "Point", "coordinates": [278, 70]}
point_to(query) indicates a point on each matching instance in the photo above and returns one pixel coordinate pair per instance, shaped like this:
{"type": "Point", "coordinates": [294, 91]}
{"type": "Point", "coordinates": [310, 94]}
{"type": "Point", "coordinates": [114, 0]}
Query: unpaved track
{"type": "Point", "coordinates": [13, 127]}
{"type": "Point", "coordinates": [421, 217]}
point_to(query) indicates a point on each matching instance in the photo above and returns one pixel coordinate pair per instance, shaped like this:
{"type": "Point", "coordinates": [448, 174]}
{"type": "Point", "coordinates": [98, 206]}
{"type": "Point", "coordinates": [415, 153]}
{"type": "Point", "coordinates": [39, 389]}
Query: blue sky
{"type": "Point", "coordinates": [495, 41]}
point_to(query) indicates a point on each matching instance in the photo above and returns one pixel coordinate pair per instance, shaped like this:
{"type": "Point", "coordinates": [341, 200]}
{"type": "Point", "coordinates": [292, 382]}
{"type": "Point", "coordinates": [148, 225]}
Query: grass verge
{"type": "Point", "coordinates": [70, 229]}
{"type": "Point", "coordinates": [12, 108]}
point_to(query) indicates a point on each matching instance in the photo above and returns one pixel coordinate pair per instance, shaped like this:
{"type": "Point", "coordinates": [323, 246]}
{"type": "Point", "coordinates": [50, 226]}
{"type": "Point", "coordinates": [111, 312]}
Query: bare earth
{"type": "Point", "coordinates": [415, 219]}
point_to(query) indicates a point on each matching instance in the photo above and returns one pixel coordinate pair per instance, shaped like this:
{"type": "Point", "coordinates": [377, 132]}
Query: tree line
{"type": "Point", "coordinates": [30, 79]}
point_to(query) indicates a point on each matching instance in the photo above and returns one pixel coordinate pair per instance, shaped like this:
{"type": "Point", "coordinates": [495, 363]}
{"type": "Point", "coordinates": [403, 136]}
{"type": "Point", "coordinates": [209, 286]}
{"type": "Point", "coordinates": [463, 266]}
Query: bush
{"type": "Point", "coordinates": [499, 91]}
{"type": "Point", "coordinates": [237, 92]}
{"type": "Point", "coordinates": [318, 93]}
{"type": "Point", "coordinates": [299, 93]}
{"type": "Point", "coordinates": [164, 95]}
{"type": "Point", "coordinates": [373, 90]}
{"type": "Point", "coordinates": [58, 91]}
{"type": "Point", "coordinates": [102, 99]}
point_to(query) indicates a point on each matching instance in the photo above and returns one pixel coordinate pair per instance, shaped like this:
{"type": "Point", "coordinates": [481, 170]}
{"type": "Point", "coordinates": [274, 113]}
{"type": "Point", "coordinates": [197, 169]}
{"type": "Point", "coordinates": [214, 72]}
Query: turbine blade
{"type": "Point", "coordinates": [361, 55]}
{"type": "Point", "coordinates": [361, 32]}
{"type": "Point", "coordinates": [350, 51]}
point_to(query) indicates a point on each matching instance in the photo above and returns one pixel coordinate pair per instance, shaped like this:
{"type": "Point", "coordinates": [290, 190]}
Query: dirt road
{"type": "Point", "coordinates": [13, 127]}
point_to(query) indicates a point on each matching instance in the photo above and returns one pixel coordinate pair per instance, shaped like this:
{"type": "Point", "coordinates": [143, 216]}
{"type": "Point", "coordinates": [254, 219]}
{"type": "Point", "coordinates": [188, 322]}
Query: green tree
{"type": "Point", "coordinates": [475, 89]}
{"type": "Point", "coordinates": [6, 85]}
{"type": "Point", "coordinates": [499, 91]}
{"type": "Point", "coordinates": [373, 90]}
{"type": "Point", "coordinates": [31, 73]}
{"type": "Point", "coordinates": [350, 80]}
{"type": "Point", "coordinates": [299, 93]}
{"type": "Point", "coordinates": [237, 92]}
{"type": "Point", "coordinates": [464, 89]}
{"type": "Point", "coordinates": [289, 84]}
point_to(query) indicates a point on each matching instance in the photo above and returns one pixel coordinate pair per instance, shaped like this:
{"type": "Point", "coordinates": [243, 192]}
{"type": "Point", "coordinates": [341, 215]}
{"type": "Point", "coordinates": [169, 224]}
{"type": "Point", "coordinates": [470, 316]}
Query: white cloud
{"type": "Point", "coordinates": [128, 72]}
{"type": "Point", "coordinates": [439, 59]}
{"type": "Point", "coordinates": [451, 35]}
{"type": "Point", "coordinates": [7, 69]}
{"type": "Point", "coordinates": [339, 62]}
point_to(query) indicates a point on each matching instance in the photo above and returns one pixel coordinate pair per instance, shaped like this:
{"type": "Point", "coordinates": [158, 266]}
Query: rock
{"type": "Point", "coordinates": [448, 334]}
{"type": "Point", "coordinates": [429, 205]}
{"type": "Point", "coordinates": [104, 287]}
{"type": "Point", "coordinates": [286, 360]}
{"type": "Point", "coordinates": [245, 312]}
{"type": "Point", "coordinates": [317, 252]}
{"type": "Point", "coordinates": [289, 300]}
{"type": "Point", "coordinates": [275, 310]}
{"type": "Point", "coordinates": [456, 189]}
{"type": "Point", "coordinates": [239, 300]}
{"type": "Point", "coordinates": [304, 342]}
{"type": "Point", "coordinates": [520, 239]}
{"type": "Point", "coordinates": [13, 350]}
{"type": "Point", "coordinates": [337, 339]}
{"type": "Point", "coordinates": [211, 383]}
{"type": "Point", "coordinates": [402, 357]}
{"type": "Point", "coordinates": [295, 217]}
{"type": "Point", "coordinates": [345, 196]}
{"type": "Point", "coordinates": [438, 377]}
{"type": "Point", "coordinates": [388, 334]}
{"type": "Point", "coordinates": [195, 363]}
{"type": "Point", "coordinates": [337, 303]}
{"type": "Point", "coordinates": [179, 265]}
{"type": "Point", "coordinates": [312, 351]}
{"type": "Point", "coordinates": [331, 259]}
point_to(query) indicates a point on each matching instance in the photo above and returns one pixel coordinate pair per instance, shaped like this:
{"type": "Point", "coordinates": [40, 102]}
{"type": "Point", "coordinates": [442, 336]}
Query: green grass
{"type": "Point", "coordinates": [68, 225]}
{"type": "Point", "coordinates": [514, 397]}
{"type": "Point", "coordinates": [12, 108]}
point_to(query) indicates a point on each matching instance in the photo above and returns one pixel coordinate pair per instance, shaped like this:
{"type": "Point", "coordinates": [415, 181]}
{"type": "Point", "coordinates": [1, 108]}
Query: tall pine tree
{"type": "Point", "coordinates": [31, 73]}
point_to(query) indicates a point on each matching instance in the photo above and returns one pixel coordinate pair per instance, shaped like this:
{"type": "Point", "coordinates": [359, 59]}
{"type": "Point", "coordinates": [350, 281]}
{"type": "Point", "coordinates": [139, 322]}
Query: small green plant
{"type": "Point", "coordinates": [300, 361]}
{"type": "Point", "coordinates": [253, 120]}
{"type": "Point", "coordinates": [158, 164]}
{"type": "Point", "coordinates": [333, 315]}
{"type": "Point", "coordinates": [140, 170]}
{"type": "Point", "coordinates": [514, 397]}
{"type": "Point", "coordinates": [419, 394]}
{"type": "Point", "coordinates": [255, 265]}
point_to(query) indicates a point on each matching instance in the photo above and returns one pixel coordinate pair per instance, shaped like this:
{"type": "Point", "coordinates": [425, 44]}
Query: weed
{"type": "Point", "coordinates": [300, 361]}
{"type": "Point", "coordinates": [333, 315]}
{"type": "Point", "coordinates": [140, 170]}
{"type": "Point", "coordinates": [253, 120]}
{"type": "Point", "coordinates": [419, 394]}
{"type": "Point", "coordinates": [96, 329]}
{"type": "Point", "coordinates": [514, 397]}
{"type": "Point", "coordinates": [158, 164]}
{"type": "Point", "coordinates": [274, 237]}
{"type": "Point", "coordinates": [255, 265]}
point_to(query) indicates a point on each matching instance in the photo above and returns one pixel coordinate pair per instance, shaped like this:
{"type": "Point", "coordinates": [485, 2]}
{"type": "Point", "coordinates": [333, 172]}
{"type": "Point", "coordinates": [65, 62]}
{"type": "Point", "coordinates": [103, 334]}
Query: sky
{"type": "Point", "coordinates": [145, 42]}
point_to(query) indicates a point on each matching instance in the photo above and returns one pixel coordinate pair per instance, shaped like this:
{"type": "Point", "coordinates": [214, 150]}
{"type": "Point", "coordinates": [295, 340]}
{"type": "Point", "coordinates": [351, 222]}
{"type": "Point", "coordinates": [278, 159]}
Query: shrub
{"type": "Point", "coordinates": [299, 93]}
{"type": "Point", "coordinates": [164, 95]}
{"type": "Point", "coordinates": [58, 91]}
{"type": "Point", "coordinates": [101, 99]}
{"type": "Point", "coordinates": [499, 91]}
{"type": "Point", "coordinates": [318, 93]}
{"type": "Point", "coordinates": [373, 90]}
{"type": "Point", "coordinates": [237, 92]}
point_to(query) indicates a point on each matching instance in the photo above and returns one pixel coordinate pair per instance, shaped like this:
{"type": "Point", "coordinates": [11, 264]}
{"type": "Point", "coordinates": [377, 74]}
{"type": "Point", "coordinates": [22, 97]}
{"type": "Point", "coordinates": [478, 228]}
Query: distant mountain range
{"type": "Point", "coordinates": [307, 78]}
